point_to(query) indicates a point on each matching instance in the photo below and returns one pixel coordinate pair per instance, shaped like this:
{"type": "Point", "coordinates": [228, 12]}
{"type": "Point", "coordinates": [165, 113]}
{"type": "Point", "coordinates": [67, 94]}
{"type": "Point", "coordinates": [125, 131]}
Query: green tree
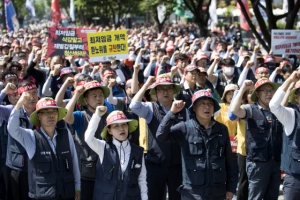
{"type": "Point", "coordinates": [200, 10]}
{"type": "Point", "coordinates": [266, 27]}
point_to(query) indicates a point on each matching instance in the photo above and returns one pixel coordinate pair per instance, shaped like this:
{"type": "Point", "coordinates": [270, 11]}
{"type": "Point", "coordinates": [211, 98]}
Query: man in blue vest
{"type": "Point", "coordinates": [89, 94]}
{"type": "Point", "coordinates": [263, 139]}
{"type": "Point", "coordinates": [205, 149]}
{"type": "Point", "coordinates": [53, 164]}
{"type": "Point", "coordinates": [163, 161]}
{"type": "Point", "coordinates": [289, 118]}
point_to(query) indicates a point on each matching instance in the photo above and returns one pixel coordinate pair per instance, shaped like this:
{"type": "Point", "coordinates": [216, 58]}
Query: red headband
{"type": "Point", "coordinates": [8, 76]}
{"type": "Point", "coordinates": [108, 72]}
{"type": "Point", "coordinates": [26, 88]}
{"type": "Point", "coordinates": [261, 69]}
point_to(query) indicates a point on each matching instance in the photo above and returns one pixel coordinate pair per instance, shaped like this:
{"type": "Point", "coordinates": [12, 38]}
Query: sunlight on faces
{"type": "Point", "coordinates": [107, 77]}
{"type": "Point", "coordinates": [13, 80]}
{"type": "Point", "coordinates": [265, 93]}
{"type": "Point", "coordinates": [202, 78]}
{"type": "Point", "coordinates": [119, 131]}
{"type": "Point", "coordinates": [164, 93]}
{"type": "Point", "coordinates": [192, 76]}
{"type": "Point", "coordinates": [229, 96]}
{"type": "Point", "coordinates": [48, 116]}
{"type": "Point", "coordinates": [32, 101]}
{"type": "Point", "coordinates": [202, 62]}
{"type": "Point", "coordinates": [55, 60]}
{"type": "Point", "coordinates": [13, 98]}
{"type": "Point", "coordinates": [94, 97]}
{"type": "Point", "coordinates": [204, 108]}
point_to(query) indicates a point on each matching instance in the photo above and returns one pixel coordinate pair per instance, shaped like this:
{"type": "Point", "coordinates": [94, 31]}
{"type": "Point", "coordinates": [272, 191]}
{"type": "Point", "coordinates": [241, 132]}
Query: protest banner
{"type": "Point", "coordinates": [68, 42]}
{"type": "Point", "coordinates": [286, 42]}
{"type": "Point", "coordinates": [109, 44]}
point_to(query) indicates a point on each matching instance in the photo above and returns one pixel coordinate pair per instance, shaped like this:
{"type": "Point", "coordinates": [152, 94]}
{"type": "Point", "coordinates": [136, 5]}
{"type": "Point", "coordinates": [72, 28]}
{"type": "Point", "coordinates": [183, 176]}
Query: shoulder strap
{"type": "Point", "coordinates": [87, 117]}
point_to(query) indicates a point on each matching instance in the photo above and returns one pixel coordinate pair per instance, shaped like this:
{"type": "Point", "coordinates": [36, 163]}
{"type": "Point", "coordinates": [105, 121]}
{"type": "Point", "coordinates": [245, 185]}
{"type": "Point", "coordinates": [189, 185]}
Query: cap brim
{"type": "Point", "coordinates": [105, 90]}
{"type": "Point", "coordinates": [132, 126]}
{"type": "Point", "coordinates": [216, 104]}
{"type": "Point", "coordinates": [176, 88]}
{"type": "Point", "coordinates": [254, 96]}
{"type": "Point", "coordinates": [62, 112]}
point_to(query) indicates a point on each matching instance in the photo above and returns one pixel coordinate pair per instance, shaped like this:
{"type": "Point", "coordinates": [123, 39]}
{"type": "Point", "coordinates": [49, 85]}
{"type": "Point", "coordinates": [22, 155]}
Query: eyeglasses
{"type": "Point", "coordinates": [267, 91]}
{"type": "Point", "coordinates": [162, 90]}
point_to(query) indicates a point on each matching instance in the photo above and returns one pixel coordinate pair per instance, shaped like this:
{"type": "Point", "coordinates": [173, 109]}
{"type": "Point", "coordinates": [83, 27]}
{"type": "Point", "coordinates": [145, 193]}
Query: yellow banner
{"type": "Point", "coordinates": [109, 44]}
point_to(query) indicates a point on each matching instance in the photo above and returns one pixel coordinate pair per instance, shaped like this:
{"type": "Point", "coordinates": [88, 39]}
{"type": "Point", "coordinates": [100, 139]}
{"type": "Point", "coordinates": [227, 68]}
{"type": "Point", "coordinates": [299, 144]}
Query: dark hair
{"type": "Point", "coordinates": [6, 73]}
{"type": "Point", "coordinates": [161, 50]}
{"type": "Point", "coordinates": [14, 64]}
{"type": "Point", "coordinates": [84, 77]}
{"type": "Point", "coordinates": [25, 82]}
{"type": "Point", "coordinates": [108, 69]}
{"type": "Point", "coordinates": [181, 56]}
{"type": "Point", "coordinates": [287, 68]}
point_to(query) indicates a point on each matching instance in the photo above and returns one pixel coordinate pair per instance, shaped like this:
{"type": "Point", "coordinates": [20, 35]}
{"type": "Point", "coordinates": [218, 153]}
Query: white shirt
{"type": "Point", "coordinates": [285, 115]}
{"type": "Point", "coordinates": [99, 145]}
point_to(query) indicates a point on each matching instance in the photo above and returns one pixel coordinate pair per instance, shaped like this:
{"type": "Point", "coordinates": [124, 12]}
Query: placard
{"type": "Point", "coordinates": [286, 42]}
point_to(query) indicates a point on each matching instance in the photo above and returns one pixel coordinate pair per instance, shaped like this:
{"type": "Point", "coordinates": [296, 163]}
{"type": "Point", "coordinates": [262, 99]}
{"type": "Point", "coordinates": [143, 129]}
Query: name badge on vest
{"type": "Point", "coordinates": [45, 152]}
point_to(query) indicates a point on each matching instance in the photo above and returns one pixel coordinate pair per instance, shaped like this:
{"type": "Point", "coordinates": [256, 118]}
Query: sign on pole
{"type": "Point", "coordinates": [109, 44]}
{"type": "Point", "coordinates": [286, 42]}
{"type": "Point", "coordinates": [68, 42]}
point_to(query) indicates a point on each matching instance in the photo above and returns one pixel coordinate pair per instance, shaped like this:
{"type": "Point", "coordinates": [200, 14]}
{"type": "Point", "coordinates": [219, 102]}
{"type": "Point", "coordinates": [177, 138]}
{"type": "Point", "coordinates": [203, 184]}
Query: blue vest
{"type": "Point", "coordinates": [51, 176]}
{"type": "Point", "coordinates": [291, 149]}
{"type": "Point", "coordinates": [263, 136]}
{"type": "Point", "coordinates": [203, 155]}
{"type": "Point", "coordinates": [87, 158]}
{"type": "Point", "coordinates": [161, 153]}
{"type": "Point", "coordinates": [110, 183]}
{"type": "Point", "coordinates": [3, 139]}
{"type": "Point", "coordinates": [16, 157]}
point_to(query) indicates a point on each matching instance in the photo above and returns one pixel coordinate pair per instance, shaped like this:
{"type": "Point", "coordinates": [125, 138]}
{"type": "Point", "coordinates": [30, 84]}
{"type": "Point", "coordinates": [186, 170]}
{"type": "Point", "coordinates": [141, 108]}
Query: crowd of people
{"type": "Point", "coordinates": [182, 117]}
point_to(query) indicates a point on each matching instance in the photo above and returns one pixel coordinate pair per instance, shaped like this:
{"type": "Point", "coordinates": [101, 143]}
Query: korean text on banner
{"type": "Point", "coordinates": [68, 42]}
{"type": "Point", "coordinates": [286, 42]}
{"type": "Point", "coordinates": [106, 45]}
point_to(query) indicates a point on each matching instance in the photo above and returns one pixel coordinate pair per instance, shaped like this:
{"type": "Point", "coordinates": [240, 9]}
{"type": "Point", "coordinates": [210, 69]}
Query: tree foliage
{"type": "Point", "coordinates": [200, 10]}
{"type": "Point", "coordinates": [266, 27]}
{"type": "Point", "coordinates": [150, 6]}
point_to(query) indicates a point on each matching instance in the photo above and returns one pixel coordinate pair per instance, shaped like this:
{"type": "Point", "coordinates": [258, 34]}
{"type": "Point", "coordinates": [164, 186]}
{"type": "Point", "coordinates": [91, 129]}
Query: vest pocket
{"type": "Point", "coordinates": [133, 193]}
{"type": "Point", "coordinates": [295, 165]}
{"type": "Point", "coordinates": [69, 186]}
{"type": "Point", "coordinates": [195, 170]}
{"type": "Point", "coordinates": [259, 150]}
{"type": "Point", "coordinates": [195, 145]}
{"type": "Point", "coordinates": [88, 169]}
{"type": "Point", "coordinates": [219, 168]}
{"type": "Point", "coordinates": [18, 159]}
{"type": "Point", "coordinates": [104, 192]}
{"type": "Point", "coordinates": [45, 188]}
{"type": "Point", "coordinates": [43, 165]}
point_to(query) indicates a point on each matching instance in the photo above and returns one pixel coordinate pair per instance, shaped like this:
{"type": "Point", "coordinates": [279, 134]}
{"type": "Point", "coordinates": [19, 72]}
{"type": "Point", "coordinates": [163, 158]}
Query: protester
{"type": "Point", "coordinates": [163, 159]}
{"type": "Point", "coordinates": [52, 161]}
{"type": "Point", "coordinates": [263, 139]}
{"type": "Point", "coordinates": [91, 95]}
{"type": "Point", "coordinates": [121, 172]}
{"type": "Point", "coordinates": [289, 118]}
{"type": "Point", "coordinates": [203, 177]}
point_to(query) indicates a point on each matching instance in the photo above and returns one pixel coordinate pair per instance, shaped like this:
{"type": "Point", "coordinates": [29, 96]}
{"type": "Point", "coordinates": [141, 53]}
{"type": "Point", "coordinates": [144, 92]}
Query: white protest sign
{"type": "Point", "coordinates": [286, 42]}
